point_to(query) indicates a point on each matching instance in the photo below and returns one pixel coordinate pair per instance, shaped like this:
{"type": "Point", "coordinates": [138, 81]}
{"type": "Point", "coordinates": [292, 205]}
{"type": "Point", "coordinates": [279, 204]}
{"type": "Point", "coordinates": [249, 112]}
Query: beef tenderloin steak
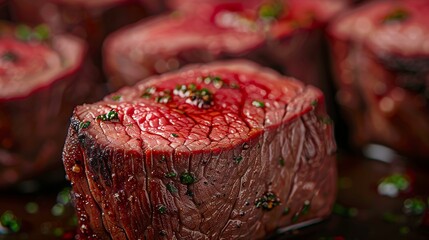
{"type": "Point", "coordinates": [42, 78]}
{"type": "Point", "coordinates": [382, 73]}
{"type": "Point", "coordinates": [285, 35]}
{"type": "Point", "coordinates": [88, 19]}
{"type": "Point", "coordinates": [227, 150]}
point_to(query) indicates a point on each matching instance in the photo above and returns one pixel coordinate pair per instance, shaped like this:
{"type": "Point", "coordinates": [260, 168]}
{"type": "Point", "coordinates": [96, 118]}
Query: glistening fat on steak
{"type": "Point", "coordinates": [285, 35]}
{"type": "Point", "coordinates": [381, 61]}
{"type": "Point", "coordinates": [42, 78]}
{"type": "Point", "coordinates": [226, 150]}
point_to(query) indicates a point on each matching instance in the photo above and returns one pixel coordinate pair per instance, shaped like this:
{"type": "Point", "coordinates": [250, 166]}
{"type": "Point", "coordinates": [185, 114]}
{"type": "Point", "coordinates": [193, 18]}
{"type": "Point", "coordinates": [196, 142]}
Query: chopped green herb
{"type": "Point", "coordinates": [234, 86]}
{"type": "Point", "coordinates": [41, 32]}
{"type": "Point", "coordinates": [394, 184]}
{"type": "Point", "coordinates": [325, 120]}
{"type": "Point", "coordinates": [112, 115]}
{"type": "Point", "coordinates": [9, 56]}
{"type": "Point", "coordinates": [286, 211]}
{"type": "Point", "coordinates": [174, 135]}
{"type": "Point", "coordinates": [343, 211]}
{"type": "Point", "coordinates": [268, 201]}
{"type": "Point", "coordinates": [23, 32]}
{"type": "Point", "coordinates": [314, 103]}
{"type": "Point", "coordinates": [187, 178]}
{"type": "Point", "coordinates": [397, 15]}
{"type": "Point", "coordinates": [161, 208]}
{"type": "Point", "coordinates": [146, 95]}
{"type": "Point", "coordinates": [258, 104]}
{"type": "Point", "coordinates": [163, 99]}
{"type": "Point", "coordinates": [304, 210]}
{"type": "Point", "coordinates": [282, 161]}
{"type": "Point", "coordinates": [116, 97]}
{"type": "Point", "coordinates": [217, 82]}
{"type": "Point", "coordinates": [64, 196]}
{"type": "Point", "coordinates": [170, 174]}
{"type": "Point", "coordinates": [171, 188]}
{"type": "Point", "coordinates": [148, 92]}
{"type": "Point", "coordinates": [32, 207]}
{"type": "Point", "coordinates": [57, 209]}
{"type": "Point", "coordinates": [192, 87]}
{"type": "Point", "coordinates": [207, 80]}
{"type": "Point", "coordinates": [237, 159]}
{"type": "Point", "coordinates": [295, 217]}
{"type": "Point", "coordinates": [394, 218]}
{"type": "Point", "coordinates": [271, 10]}
{"type": "Point", "coordinates": [83, 125]}
{"type": "Point", "coordinates": [9, 221]}
{"type": "Point", "coordinates": [201, 98]}
{"type": "Point", "coordinates": [58, 232]}
{"type": "Point", "coordinates": [414, 206]}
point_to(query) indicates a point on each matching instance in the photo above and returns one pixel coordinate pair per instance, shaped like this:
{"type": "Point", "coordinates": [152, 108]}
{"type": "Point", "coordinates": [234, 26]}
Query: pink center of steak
{"type": "Point", "coordinates": [242, 105]}
{"type": "Point", "coordinates": [25, 66]}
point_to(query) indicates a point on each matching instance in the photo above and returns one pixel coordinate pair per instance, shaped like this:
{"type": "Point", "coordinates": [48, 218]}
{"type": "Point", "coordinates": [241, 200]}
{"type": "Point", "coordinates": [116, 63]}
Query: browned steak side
{"type": "Point", "coordinates": [255, 157]}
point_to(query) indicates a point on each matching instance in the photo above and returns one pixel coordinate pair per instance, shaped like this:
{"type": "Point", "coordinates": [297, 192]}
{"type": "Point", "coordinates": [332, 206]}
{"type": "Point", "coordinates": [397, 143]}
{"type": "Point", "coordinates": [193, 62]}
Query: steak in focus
{"type": "Point", "coordinates": [227, 150]}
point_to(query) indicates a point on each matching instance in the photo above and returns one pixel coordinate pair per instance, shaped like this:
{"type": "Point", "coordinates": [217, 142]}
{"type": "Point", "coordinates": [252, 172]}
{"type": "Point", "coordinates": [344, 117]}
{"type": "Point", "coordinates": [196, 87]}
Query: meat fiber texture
{"type": "Point", "coordinates": [286, 36]}
{"type": "Point", "coordinates": [91, 19]}
{"type": "Point", "coordinates": [381, 62]}
{"type": "Point", "coordinates": [150, 162]}
{"type": "Point", "coordinates": [40, 84]}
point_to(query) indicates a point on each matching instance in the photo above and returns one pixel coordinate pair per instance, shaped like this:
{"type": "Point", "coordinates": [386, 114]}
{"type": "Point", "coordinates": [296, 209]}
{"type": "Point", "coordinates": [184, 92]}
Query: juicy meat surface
{"type": "Point", "coordinates": [159, 160]}
{"type": "Point", "coordinates": [381, 61]}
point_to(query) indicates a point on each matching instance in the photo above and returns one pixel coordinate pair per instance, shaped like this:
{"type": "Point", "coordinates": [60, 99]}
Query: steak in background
{"type": "Point", "coordinates": [227, 150]}
{"type": "Point", "coordinates": [42, 78]}
{"type": "Point", "coordinates": [88, 19]}
{"type": "Point", "coordinates": [285, 35]}
{"type": "Point", "coordinates": [381, 61]}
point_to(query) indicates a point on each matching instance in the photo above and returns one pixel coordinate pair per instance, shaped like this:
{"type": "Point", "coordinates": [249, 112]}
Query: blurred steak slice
{"type": "Point", "coordinates": [381, 61]}
{"type": "Point", "coordinates": [227, 150]}
{"type": "Point", "coordinates": [88, 19]}
{"type": "Point", "coordinates": [42, 78]}
{"type": "Point", "coordinates": [285, 35]}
